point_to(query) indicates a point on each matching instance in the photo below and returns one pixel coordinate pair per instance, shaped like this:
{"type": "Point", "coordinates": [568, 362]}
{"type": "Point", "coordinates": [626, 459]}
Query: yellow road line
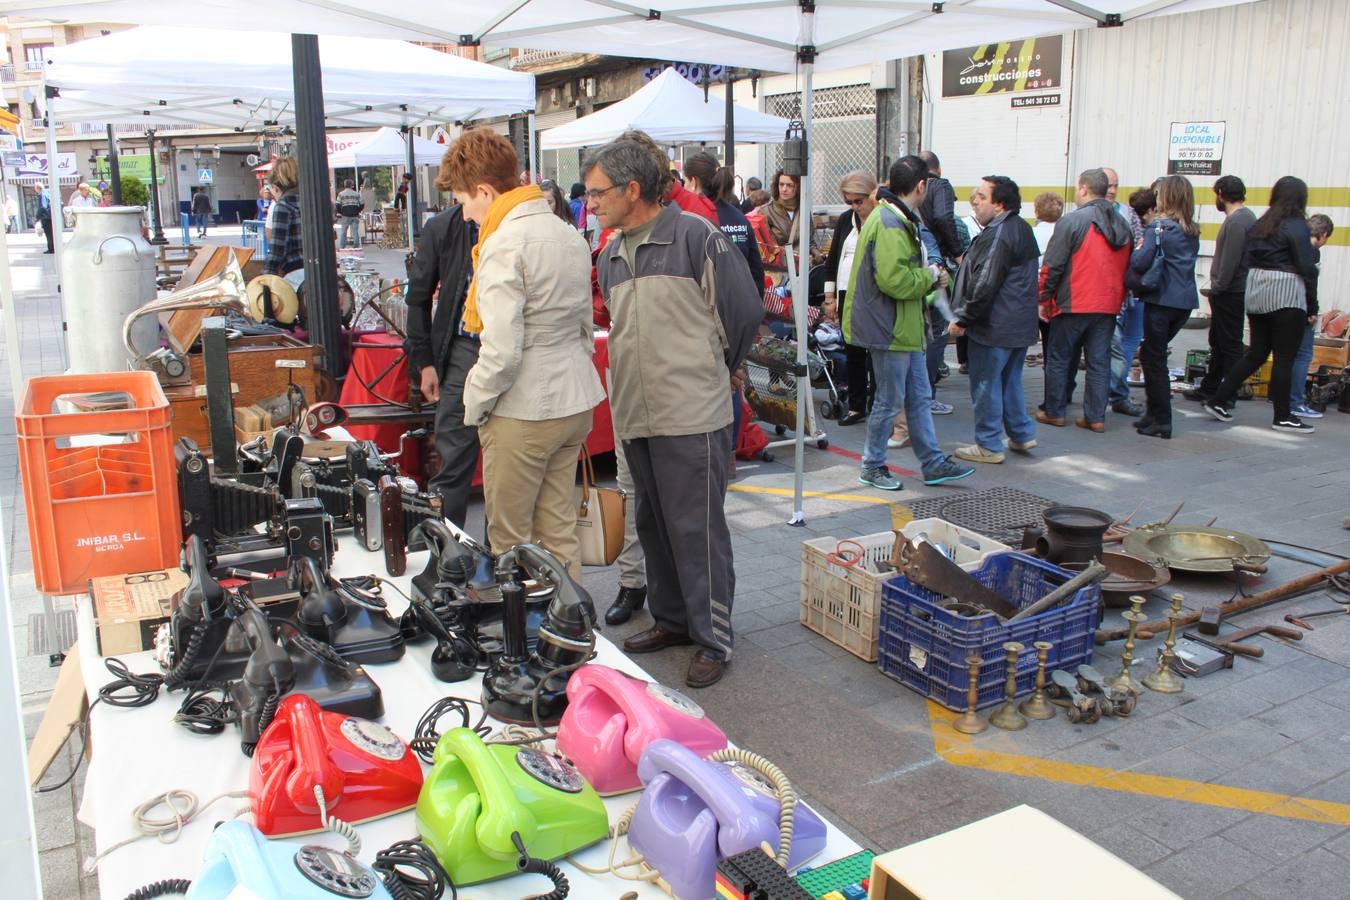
{"type": "Point", "coordinates": [958, 750]}
{"type": "Point", "coordinates": [821, 495]}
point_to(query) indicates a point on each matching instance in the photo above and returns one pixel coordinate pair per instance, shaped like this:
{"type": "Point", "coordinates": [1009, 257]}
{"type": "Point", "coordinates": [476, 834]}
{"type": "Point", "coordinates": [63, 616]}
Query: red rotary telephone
{"type": "Point", "coordinates": [357, 769]}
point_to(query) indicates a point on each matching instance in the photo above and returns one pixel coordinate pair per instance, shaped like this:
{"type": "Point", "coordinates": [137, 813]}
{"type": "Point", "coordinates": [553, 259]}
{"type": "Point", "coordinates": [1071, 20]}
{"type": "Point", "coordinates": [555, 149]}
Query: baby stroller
{"type": "Point", "coordinates": [825, 360]}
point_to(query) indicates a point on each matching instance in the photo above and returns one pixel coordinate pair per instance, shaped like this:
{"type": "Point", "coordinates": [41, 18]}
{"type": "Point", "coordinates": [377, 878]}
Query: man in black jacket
{"type": "Point", "coordinates": [938, 209]}
{"type": "Point", "coordinates": [441, 353]}
{"type": "Point", "coordinates": [995, 302]}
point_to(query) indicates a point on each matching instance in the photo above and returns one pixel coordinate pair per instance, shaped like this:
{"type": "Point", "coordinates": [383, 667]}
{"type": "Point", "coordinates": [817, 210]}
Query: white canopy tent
{"type": "Point", "coordinates": [773, 35]}
{"type": "Point", "coordinates": [386, 147]}
{"type": "Point", "coordinates": [672, 111]}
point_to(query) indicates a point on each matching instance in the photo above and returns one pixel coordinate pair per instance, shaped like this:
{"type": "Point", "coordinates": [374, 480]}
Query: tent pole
{"type": "Point", "coordinates": [316, 207]}
{"type": "Point", "coordinates": [114, 168]}
{"type": "Point", "coordinates": [533, 143]}
{"type": "Point", "coordinates": [58, 217]}
{"type": "Point", "coordinates": [11, 323]}
{"type": "Point", "coordinates": [799, 292]}
{"type": "Point", "coordinates": [412, 190]}
{"type": "Point", "coordinates": [729, 153]}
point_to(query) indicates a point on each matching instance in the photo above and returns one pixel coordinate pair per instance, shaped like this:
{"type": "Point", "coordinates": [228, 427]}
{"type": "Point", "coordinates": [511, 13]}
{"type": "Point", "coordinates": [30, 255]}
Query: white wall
{"type": "Point", "coordinates": [1270, 70]}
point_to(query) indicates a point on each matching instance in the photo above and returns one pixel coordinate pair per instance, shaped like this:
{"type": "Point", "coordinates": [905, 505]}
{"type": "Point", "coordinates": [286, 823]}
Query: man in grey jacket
{"type": "Point", "coordinates": [1227, 285]}
{"type": "Point", "coordinates": [684, 311]}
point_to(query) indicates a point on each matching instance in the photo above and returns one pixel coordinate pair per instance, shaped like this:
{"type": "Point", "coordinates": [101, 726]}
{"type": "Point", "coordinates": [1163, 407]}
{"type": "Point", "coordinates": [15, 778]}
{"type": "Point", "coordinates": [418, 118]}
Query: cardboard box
{"type": "Point", "coordinates": [128, 609]}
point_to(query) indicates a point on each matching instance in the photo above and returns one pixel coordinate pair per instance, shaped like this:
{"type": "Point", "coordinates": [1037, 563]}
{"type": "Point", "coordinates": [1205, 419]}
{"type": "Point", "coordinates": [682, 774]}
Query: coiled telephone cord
{"type": "Point", "coordinates": [269, 712]}
{"type": "Point", "coordinates": [530, 864]}
{"type": "Point", "coordinates": [161, 889]}
{"type": "Point", "coordinates": [337, 826]}
{"type": "Point", "coordinates": [787, 796]}
{"type": "Point", "coordinates": [426, 881]}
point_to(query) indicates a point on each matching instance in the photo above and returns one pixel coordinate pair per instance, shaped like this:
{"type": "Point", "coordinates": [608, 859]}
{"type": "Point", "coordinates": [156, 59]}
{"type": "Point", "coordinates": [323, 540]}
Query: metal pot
{"type": "Point", "coordinates": [108, 271]}
{"type": "Point", "coordinates": [1072, 534]}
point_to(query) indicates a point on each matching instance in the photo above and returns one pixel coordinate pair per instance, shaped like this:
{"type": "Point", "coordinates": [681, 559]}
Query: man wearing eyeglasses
{"type": "Point", "coordinates": [683, 312]}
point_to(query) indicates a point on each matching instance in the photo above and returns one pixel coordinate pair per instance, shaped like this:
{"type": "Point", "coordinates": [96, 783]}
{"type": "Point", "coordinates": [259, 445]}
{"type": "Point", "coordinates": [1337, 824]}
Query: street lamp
{"type": "Point", "coordinates": [158, 237]}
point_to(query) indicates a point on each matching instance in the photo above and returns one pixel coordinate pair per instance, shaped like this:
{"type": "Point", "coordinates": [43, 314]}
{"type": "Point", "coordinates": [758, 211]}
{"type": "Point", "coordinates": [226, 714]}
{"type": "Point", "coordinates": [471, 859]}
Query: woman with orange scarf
{"type": "Point", "coordinates": [534, 386]}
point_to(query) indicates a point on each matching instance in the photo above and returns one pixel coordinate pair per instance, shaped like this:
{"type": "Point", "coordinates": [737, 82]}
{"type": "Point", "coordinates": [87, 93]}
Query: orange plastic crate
{"type": "Point", "coordinates": [99, 483]}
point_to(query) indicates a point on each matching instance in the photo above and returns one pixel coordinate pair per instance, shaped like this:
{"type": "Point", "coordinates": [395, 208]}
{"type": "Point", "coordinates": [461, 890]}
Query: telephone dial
{"type": "Point", "coordinates": [696, 811]}
{"type": "Point", "coordinates": [612, 718]}
{"type": "Point", "coordinates": [363, 770]}
{"type": "Point", "coordinates": [480, 799]}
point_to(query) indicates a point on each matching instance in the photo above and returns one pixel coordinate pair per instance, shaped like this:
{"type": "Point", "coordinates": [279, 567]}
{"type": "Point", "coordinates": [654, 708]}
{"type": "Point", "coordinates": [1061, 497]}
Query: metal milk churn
{"type": "Point", "coordinates": [108, 270]}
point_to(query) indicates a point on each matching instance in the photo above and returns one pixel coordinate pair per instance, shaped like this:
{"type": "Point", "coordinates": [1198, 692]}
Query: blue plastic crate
{"type": "Point", "coordinates": [924, 646]}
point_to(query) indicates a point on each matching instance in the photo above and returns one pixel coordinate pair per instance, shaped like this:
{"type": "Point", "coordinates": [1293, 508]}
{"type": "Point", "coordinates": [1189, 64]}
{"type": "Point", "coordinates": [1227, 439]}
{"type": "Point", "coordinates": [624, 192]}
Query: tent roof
{"type": "Point", "coordinates": [672, 111]}
{"type": "Point", "coordinates": [386, 147]}
{"type": "Point", "coordinates": [762, 34]}
{"type": "Point", "coordinates": [243, 79]}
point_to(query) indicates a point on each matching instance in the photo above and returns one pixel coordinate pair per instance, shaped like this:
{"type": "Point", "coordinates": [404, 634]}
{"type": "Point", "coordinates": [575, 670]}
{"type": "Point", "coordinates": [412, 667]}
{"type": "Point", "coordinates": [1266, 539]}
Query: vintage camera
{"type": "Point", "coordinates": [364, 461]}
{"type": "Point", "coordinates": [367, 520]}
{"type": "Point", "coordinates": [309, 531]}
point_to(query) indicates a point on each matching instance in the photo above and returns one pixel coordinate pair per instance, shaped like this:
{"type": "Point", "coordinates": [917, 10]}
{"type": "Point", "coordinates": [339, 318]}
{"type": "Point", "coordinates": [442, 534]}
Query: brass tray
{"type": "Point", "coordinates": [1196, 548]}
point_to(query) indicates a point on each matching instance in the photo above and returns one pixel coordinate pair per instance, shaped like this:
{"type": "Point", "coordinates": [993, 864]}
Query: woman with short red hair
{"type": "Point", "coordinates": [534, 386]}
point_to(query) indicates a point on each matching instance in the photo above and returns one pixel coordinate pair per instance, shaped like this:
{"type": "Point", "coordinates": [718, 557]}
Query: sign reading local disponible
{"type": "Point", "coordinates": [1195, 148]}
{"type": "Point", "coordinates": [1030, 65]}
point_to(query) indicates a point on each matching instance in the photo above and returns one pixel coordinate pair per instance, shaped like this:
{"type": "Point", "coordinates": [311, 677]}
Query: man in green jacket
{"type": "Point", "coordinates": [892, 277]}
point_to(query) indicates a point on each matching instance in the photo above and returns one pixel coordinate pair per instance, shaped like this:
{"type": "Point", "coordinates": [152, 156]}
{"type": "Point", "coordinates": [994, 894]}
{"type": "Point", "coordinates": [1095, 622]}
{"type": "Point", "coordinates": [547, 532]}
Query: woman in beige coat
{"type": "Point", "coordinates": [534, 386]}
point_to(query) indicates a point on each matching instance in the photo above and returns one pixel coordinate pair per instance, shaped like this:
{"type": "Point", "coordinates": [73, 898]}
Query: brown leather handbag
{"type": "Point", "coordinates": [600, 514]}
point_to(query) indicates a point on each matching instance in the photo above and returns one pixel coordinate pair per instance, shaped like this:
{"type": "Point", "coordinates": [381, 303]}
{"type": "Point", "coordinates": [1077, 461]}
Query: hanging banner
{"type": "Point", "coordinates": [1195, 148]}
{"type": "Point", "coordinates": [34, 165]}
{"type": "Point", "coordinates": [340, 142]}
{"type": "Point", "coordinates": [1030, 65]}
{"type": "Point", "coordinates": [440, 136]}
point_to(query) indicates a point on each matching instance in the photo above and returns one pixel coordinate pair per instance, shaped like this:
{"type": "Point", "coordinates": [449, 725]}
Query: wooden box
{"type": "Point", "coordinates": [255, 375]}
{"type": "Point", "coordinates": [1329, 351]}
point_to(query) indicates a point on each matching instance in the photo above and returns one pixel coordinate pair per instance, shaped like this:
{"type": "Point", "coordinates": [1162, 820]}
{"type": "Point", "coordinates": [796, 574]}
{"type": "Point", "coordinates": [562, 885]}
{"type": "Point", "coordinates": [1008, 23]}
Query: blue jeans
{"type": "Point", "coordinates": [901, 381]}
{"type": "Point", "coordinates": [349, 232]}
{"type": "Point", "coordinates": [996, 392]}
{"type": "Point", "coordinates": [1299, 382]}
{"type": "Point", "coordinates": [1072, 335]}
{"type": "Point", "coordinates": [1129, 334]}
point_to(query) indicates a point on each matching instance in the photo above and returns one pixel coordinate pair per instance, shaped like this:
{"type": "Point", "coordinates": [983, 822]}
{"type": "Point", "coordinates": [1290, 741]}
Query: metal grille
{"type": "Point", "coordinates": [1001, 513]}
{"type": "Point", "coordinates": [845, 136]}
{"type": "Point", "coordinates": [43, 641]}
{"type": "Point", "coordinates": [563, 166]}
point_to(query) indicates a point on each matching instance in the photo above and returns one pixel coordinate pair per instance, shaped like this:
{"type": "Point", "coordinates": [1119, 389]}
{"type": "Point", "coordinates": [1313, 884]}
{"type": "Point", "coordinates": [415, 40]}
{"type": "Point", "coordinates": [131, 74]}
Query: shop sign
{"type": "Point", "coordinates": [1030, 65]}
{"type": "Point", "coordinates": [136, 165]}
{"type": "Point", "coordinates": [1196, 148]}
{"type": "Point", "coordinates": [1034, 101]}
{"type": "Point", "coordinates": [695, 72]}
{"type": "Point", "coordinates": [34, 165]}
{"type": "Point", "coordinates": [10, 142]}
{"type": "Point", "coordinates": [440, 136]}
{"type": "Point", "coordinates": [342, 142]}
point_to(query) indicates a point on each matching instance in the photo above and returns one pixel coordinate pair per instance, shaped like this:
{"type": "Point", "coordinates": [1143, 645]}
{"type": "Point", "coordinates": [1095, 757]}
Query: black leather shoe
{"type": "Point", "coordinates": [1143, 421]}
{"type": "Point", "coordinates": [852, 417]}
{"type": "Point", "coordinates": [1126, 408]}
{"type": "Point", "coordinates": [653, 639]}
{"type": "Point", "coordinates": [629, 601]}
{"type": "Point", "coordinates": [1153, 429]}
{"type": "Point", "coordinates": [705, 670]}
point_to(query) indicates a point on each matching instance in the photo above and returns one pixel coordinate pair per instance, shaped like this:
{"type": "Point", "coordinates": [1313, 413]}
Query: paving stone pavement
{"type": "Point", "coordinates": [865, 750]}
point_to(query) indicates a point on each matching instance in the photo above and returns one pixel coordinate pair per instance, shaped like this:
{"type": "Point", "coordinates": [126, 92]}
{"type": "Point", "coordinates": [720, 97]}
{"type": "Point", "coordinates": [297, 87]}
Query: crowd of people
{"type": "Point", "coordinates": [1094, 285]}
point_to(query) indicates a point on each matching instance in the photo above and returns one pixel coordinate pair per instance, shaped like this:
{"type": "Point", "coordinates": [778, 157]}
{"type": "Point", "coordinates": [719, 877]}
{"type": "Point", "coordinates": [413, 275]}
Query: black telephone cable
{"type": "Point", "coordinates": [269, 711]}
{"type": "Point", "coordinates": [144, 688]}
{"type": "Point", "coordinates": [175, 676]}
{"type": "Point", "coordinates": [528, 863]}
{"type": "Point", "coordinates": [427, 734]}
{"type": "Point", "coordinates": [161, 889]}
{"type": "Point", "coordinates": [427, 880]}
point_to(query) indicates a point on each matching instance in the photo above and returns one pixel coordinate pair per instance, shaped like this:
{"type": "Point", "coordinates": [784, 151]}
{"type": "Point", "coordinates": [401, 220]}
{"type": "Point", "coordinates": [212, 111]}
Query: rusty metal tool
{"type": "Point", "coordinates": [925, 565]}
{"type": "Point", "coordinates": [1233, 607]}
{"type": "Point", "coordinates": [1301, 621]}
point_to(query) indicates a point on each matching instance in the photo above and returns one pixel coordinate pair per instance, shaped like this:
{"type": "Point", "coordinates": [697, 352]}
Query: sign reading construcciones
{"type": "Point", "coordinates": [1195, 148]}
{"type": "Point", "coordinates": [1030, 65]}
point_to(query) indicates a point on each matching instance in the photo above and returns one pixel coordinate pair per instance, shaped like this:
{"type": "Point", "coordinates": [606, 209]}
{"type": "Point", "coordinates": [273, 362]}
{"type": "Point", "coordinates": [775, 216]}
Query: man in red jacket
{"type": "Point", "coordinates": [1081, 292]}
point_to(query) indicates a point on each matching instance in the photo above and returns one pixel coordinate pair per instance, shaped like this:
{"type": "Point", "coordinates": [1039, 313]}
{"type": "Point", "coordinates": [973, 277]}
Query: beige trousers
{"type": "Point", "coordinates": [529, 479]}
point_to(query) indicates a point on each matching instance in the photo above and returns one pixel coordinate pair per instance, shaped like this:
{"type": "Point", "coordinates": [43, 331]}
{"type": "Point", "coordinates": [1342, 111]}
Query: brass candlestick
{"type": "Point", "coordinates": [1163, 679]}
{"type": "Point", "coordinates": [1006, 716]}
{"type": "Point", "coordinates": [1037, 706]}
{"type": "Point", "coordinates": [1134, 616]}
{"type": "Point", "coordinates": [969, 722]}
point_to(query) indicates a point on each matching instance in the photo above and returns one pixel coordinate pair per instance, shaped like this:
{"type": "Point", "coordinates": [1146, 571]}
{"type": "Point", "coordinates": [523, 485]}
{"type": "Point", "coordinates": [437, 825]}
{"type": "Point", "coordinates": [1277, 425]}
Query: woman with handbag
{"type": "Point", "coordinates": [533, 389]}
{"type": "Point", "coordinates": [1162, 275]}
{"type": "Point", "coordinates": [1281, 301]}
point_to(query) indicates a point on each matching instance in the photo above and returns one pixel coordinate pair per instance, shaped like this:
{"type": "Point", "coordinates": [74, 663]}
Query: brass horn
{"type": "Point", "coordinates": [221, 291]}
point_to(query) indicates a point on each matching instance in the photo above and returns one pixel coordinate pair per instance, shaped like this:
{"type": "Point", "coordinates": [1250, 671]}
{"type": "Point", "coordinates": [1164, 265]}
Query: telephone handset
{"type": "Point", "coordinates": [363, 770]}
{"type": "Point", "coordinates": [357, 631]}
{"type": "Point", "coordinates": [612, 718]}
{"type": "Point", "coordinates": [268, 676]}
{"type": "Point", "coordinates": [696, 811]}
{"type": "Point", "coordinates": [240, 861]}
{"type": "Point", "coordinates": [478, 797]}
{"type": "Point", "coordinates": [200, 621]}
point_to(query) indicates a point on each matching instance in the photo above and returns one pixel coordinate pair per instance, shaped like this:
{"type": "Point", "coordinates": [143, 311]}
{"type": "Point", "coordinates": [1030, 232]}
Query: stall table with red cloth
{"type": "Point", "coordinates": [372, 354]}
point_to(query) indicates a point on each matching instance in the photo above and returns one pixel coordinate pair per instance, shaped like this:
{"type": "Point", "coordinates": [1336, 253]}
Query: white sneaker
{"type": "Point", "coordinates": [1022, 446]}
{"type": "Point", "coordinates": [942, 409]}
{"type": "Point", "coordinates": [976, 453]}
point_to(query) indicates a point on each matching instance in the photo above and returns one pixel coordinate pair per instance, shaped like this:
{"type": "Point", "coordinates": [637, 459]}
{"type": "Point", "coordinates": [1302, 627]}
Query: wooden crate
{"type": "Point", "coordinates": [254, 372]}
{"type": "Point", "coordinates": [1328, 351]}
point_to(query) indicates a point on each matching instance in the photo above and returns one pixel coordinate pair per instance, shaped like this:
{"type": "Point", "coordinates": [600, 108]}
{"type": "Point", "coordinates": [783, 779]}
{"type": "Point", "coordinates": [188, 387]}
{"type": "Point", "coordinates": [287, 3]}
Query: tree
{"type": "Point", "coordinates": [134, 191]}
